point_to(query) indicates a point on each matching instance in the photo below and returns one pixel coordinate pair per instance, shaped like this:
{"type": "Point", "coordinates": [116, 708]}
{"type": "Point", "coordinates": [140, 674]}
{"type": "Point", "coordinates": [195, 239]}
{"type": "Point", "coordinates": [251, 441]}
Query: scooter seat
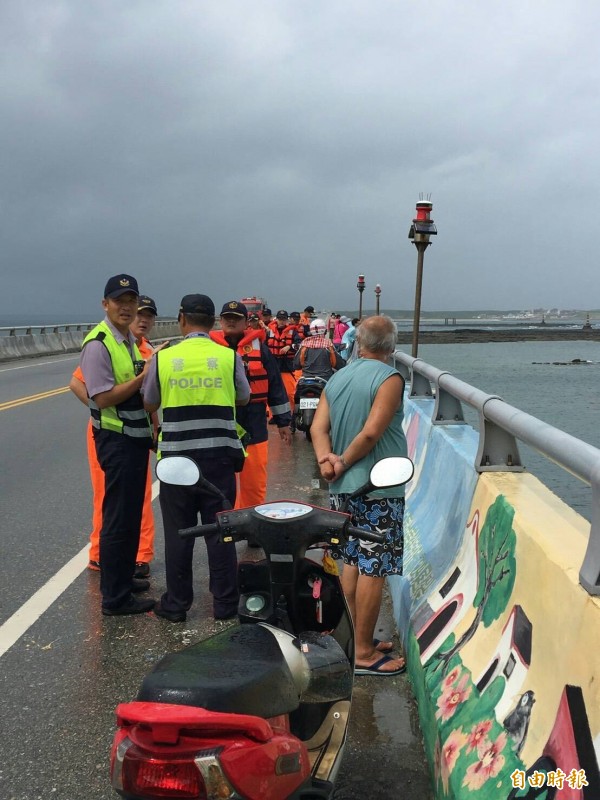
{"type": "Point", "coordinates": [241, 670]}
{"type": "Point", "coordinates": [322, 382]}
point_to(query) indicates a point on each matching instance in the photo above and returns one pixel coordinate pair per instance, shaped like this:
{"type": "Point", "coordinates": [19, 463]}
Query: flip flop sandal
{"type": "Point", "coordinates": [375, 669]}
{"type": "Point", "coordinates": [377, 642]}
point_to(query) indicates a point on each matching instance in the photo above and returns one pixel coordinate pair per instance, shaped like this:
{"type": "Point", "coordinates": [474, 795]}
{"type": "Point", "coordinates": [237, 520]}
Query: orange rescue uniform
{"type": "Point", "coordinates": [285, 337]}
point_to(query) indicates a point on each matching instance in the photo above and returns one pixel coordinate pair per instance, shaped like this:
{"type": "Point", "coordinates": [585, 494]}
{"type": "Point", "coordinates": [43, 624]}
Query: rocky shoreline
{"type": "Point", "coordinates": [481, 335]}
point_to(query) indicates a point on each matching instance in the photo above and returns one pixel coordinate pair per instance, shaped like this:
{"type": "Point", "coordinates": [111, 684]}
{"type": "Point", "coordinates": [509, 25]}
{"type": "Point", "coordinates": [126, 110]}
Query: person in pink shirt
{"type": "Point", "coordinates": [341, 326]}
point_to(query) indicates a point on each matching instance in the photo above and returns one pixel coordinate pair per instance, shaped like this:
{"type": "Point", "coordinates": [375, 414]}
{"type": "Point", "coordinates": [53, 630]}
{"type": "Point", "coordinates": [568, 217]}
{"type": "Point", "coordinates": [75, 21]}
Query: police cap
{"type": "Point", "coordinates": [197, 304]}
{"type": "Point", "coordinates": [146, 303]}
{"type": "Point", "coordinates": [235, 309]}
{"type": "Point", "coordinates": [119, 284]}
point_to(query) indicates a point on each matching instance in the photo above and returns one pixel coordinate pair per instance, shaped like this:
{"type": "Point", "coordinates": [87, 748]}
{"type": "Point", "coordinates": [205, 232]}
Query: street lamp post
{"type": "Point", "coordinates": [421, 229]}
{"type": "Point", "coordinates": [361, 287]}
{"type": "Point", "coordinates": [377, 295]}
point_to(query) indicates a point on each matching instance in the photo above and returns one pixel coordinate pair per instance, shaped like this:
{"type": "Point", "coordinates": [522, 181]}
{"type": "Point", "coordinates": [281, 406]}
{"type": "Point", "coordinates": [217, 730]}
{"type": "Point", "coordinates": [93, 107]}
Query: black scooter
{"type": "Point", "coordinates": [259, 711]}
{"type": "Point", "coordinates": [306, 400]}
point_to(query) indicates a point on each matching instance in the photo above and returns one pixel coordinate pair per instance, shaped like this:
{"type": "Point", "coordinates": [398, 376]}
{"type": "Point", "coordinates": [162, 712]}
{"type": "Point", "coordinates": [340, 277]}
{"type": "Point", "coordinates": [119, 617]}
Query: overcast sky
{"type": "Point", "coordinates": [278, 148]}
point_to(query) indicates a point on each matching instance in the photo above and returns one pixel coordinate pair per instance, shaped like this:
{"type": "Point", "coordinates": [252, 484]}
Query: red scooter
{"type": "Point", "coordinates": [259, 711]}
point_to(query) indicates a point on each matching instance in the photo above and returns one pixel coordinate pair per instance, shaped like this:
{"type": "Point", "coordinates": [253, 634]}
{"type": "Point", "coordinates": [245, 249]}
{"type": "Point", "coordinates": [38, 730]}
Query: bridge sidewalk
{"type": "Point", "coordinates": [384, 750]}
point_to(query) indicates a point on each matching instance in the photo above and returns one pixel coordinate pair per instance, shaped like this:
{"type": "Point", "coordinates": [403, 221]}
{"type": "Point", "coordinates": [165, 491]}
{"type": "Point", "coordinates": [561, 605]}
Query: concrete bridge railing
{"type": "Point", "coordinates": [498, 604]}
{"type": "Point", "coordinates": [30, 341]}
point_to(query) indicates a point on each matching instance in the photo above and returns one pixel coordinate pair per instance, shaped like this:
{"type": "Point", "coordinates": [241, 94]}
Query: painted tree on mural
{"type": "Point", "coordinates": [497, 570]}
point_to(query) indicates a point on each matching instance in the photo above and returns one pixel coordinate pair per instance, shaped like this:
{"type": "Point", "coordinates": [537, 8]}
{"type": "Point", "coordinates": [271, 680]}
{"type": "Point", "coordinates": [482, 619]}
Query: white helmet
{"type": "Point", "coordinates": [317, 327]}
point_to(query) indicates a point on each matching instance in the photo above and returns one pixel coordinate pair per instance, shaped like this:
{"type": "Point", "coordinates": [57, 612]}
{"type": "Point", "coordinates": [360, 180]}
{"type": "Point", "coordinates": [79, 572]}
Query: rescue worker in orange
{"type": "Point", "coordinates": [265, 322]}
{"type": "Point", "coordinates": [255, 324]}
{"type": "Point", "coordinates": [306, 318]}
{"type": "Point", "coordinates": [141, 328]}
{"type": "Point", "coordinates": [295, 320]}
{"type": "Point", "coordinates": [266, 386]}
{"type": "Point", "coordinates": [283, 344]}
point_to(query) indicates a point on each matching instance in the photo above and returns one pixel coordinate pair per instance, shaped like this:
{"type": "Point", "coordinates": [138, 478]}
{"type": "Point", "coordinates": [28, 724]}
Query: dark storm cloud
{"type": "Point", "coordinates": [279, 148]}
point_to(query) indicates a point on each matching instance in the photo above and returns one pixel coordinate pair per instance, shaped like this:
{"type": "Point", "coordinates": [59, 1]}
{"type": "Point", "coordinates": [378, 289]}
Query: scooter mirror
{"type": "Point", "coordinates": [393, 471]}
{"type": "Point", "coordinates": [178, 470]}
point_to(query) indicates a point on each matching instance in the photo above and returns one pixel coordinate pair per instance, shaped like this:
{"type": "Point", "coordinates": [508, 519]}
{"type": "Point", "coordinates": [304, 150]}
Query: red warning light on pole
{"type": "Point", "coordinates": [423, 210]}
{"type": "Point", "coordinates": [422, 225]}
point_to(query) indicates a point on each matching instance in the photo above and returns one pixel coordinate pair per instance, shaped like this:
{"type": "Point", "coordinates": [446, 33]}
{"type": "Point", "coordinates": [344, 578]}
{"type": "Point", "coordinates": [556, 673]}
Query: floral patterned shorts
{"type": "Point", "coordinates": [381, 514]}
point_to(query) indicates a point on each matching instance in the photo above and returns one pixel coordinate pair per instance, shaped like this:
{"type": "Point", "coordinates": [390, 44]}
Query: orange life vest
{"type": "Point", "coordinates": [248, 349]}
{"type": "Point", "coordinates": [281, 338]}
{"type": "Point", "coordinates": [145, 348]}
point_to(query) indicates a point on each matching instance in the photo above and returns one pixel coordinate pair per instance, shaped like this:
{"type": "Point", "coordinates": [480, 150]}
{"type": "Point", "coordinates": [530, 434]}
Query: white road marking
{"type": "Point", "coordinates": [12, 630]}
{"type": "Point", "coordinates": [14, 627]}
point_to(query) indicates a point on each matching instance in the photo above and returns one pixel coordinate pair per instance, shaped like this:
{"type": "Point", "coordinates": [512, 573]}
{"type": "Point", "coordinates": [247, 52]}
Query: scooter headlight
{"type": "Point", "coordinates": [255, 603]}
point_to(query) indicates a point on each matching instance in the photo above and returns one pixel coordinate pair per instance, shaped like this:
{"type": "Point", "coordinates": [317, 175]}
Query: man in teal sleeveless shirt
{"type": "Point", "coordinates": [358, 422]}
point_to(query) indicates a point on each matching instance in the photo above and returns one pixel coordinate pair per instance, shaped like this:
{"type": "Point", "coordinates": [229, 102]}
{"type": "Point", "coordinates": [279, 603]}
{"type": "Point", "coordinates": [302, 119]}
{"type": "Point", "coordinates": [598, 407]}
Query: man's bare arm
{"type": "Point", "coordinates": [79, 390]}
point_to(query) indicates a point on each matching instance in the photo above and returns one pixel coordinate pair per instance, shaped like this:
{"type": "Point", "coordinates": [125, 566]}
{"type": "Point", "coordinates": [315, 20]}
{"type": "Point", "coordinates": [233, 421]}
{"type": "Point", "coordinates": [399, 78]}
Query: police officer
{"type": "Point", "coordinates": [198, 383]}
{"type": "Point", "coordinates": [113, 372]}
{"type": "Point", "coordinates": [140, 327]}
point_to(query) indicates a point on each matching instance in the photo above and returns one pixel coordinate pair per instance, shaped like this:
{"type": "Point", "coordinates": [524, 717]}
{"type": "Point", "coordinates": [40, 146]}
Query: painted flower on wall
{"type": "Point", "coordinates": [452, 677]}
{"type": "Point", "coordinates": [490, 762]}
{"type": "Point", "coordinates": [478, 734]}
{"type": "Point", "coordinates": [451, 697]}
{"type": "Point", "coordinates": [450, 753]}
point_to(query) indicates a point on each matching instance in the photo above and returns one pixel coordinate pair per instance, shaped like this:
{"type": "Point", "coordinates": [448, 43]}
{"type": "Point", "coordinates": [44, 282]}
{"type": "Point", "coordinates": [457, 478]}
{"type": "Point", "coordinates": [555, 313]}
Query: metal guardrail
{"type": "Point", "coordinates": [500, 427]}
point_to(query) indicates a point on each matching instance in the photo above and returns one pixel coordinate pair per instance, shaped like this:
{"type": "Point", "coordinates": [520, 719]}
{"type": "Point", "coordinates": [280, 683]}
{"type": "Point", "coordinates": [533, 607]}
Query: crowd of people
{"type": "Point", "coordinates": [212, 396]}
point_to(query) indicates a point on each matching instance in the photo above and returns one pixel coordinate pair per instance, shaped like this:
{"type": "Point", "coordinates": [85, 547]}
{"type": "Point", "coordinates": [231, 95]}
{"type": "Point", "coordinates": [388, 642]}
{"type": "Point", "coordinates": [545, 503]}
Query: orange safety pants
{"type": "Point", "coordinates": [252, 480]}
{"type": "Point", "coordinates": [146, 546]}
{"type": "Point", "coordinates": [289, 381]}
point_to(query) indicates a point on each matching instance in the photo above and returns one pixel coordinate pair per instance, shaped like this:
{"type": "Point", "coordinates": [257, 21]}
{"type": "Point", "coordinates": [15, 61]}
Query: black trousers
{"type": "Point", "coordinates": [180, 506]}
{"type": "Point", "coordinates": [124, 461]}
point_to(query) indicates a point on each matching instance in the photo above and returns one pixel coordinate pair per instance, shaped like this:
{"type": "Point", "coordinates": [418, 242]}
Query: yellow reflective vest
{"type": "Point", "coordinates": [197, 390]}
{"type": "Point", "coordinates": [129, 416]}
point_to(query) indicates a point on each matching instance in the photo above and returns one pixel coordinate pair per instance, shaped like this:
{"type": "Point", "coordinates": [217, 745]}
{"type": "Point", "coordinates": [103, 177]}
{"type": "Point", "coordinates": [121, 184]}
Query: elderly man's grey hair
{"type": "Point", "coordinates": [377, 335]}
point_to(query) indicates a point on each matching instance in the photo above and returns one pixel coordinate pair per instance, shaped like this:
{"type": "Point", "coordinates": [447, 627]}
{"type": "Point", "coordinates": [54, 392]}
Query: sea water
{"type": "Point", "coordinates": [563, 394]}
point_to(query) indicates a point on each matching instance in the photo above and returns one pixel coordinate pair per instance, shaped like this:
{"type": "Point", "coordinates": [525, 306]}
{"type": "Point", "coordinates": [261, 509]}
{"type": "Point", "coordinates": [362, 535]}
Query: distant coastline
{"type": "Point", "coordinates": [452, 318]}
{"type": "Point", "coordinates": [515, 333]}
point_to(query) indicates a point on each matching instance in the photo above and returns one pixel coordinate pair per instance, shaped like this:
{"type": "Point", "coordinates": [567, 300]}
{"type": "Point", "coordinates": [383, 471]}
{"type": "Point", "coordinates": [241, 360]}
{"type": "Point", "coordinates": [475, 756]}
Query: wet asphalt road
{"type": "Point", "coordinates": [61, 680]}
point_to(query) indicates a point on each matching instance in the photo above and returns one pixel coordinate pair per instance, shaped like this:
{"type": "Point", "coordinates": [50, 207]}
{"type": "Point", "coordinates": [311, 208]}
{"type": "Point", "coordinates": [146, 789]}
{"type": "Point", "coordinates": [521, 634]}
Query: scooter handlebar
{"type": "Point", "coordinates": [368, 536]}
{"type": "Point", "coordinates": [199, 530]}
{"type": "Point", "coordinates": [213, 527]}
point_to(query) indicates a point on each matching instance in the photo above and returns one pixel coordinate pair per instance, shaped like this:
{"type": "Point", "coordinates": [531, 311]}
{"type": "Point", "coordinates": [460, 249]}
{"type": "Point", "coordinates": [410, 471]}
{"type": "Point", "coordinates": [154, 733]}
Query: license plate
{"type": "Point", "coordinates": [309, 402]}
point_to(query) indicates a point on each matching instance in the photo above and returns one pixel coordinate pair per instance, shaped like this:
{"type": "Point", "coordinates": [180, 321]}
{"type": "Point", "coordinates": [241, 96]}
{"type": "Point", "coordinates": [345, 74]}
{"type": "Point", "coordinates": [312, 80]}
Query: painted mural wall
{"type": "Point", "coordinates": [502, 643]}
